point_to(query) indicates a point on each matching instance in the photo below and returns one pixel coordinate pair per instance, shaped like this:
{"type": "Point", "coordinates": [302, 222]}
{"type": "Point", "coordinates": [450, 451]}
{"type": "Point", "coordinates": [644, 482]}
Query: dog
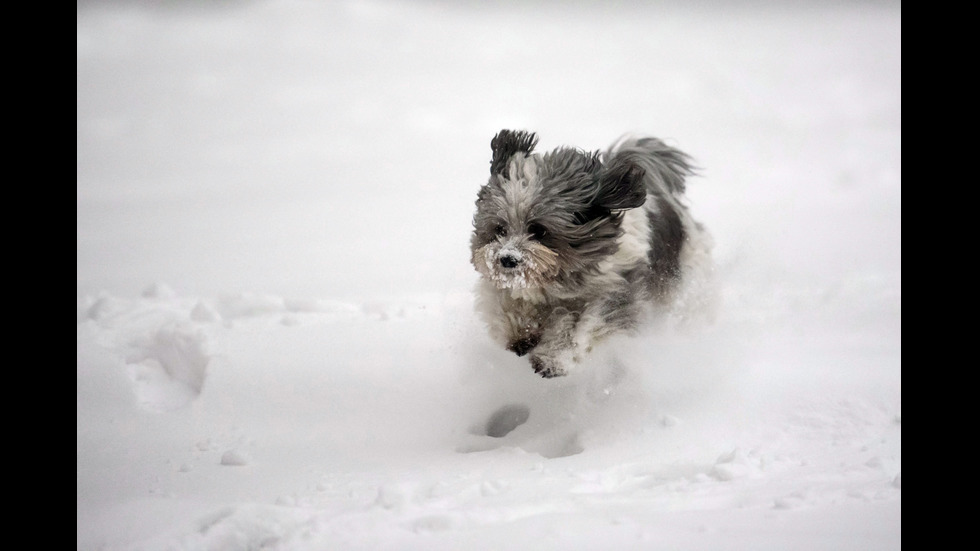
{"type": "Point", "coordinates": [574, 246]}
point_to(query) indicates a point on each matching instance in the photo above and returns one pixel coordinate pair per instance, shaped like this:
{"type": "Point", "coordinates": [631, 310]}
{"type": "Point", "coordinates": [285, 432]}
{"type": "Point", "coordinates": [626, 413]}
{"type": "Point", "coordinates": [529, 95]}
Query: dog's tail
{"type": "Point", "coordinates": [666, 167]}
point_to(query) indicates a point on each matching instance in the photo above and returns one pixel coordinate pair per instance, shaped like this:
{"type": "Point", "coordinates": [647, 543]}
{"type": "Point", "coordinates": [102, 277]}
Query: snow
{"type": "Point", "coordinates": [276, 342]}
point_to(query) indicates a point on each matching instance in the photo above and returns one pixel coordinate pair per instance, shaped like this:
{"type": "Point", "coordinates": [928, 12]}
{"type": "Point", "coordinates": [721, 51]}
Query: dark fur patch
{"type": "Point", "coordinates": [667, 237]}
{"type": "Point", "coordinates": [524, 345]}
{"type": "Point", "coordinates": [505, 144]}
{"type": "Point", "coordinates": [621, 186]}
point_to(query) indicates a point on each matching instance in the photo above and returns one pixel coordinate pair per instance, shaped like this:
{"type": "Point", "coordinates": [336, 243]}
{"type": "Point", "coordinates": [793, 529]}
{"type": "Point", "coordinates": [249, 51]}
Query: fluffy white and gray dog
{"type": "Point", "coordinates": [574, 246]}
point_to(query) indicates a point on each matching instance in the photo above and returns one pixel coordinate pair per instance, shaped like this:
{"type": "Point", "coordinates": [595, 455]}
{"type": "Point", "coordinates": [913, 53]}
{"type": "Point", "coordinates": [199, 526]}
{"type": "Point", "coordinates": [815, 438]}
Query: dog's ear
{"type": "Point", "coordinates": [621, 186]}
{"type": "Point", "coordinates": [505, 144]}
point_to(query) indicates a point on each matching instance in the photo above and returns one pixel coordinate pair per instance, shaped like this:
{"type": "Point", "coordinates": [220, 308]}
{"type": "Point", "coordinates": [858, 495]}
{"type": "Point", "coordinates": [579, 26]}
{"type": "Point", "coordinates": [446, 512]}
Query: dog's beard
{"type": "Point", "coordinates": [537, 265]}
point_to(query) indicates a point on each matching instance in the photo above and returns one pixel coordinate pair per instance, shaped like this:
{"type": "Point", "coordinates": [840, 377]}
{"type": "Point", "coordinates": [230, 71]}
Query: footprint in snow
{"type": "Point", "coordinates": [506, 419]}
{"type": "Point", "coordinates": [167, 367]}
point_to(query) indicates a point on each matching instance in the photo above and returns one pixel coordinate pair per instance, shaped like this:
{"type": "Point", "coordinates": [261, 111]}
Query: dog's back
{"type": "Point", "coordinates": [672, 240]}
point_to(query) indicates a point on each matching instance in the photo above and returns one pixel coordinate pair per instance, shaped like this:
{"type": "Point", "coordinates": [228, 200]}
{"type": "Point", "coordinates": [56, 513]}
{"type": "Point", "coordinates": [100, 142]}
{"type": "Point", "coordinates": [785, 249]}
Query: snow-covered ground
{"type": "Point", "coordinates": [276, 344]}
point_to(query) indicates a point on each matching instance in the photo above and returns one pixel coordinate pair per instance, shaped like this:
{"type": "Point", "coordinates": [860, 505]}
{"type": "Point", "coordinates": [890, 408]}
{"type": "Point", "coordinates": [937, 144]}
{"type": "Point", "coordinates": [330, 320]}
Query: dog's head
{"type": "Point", "coordinates": [549, 219]}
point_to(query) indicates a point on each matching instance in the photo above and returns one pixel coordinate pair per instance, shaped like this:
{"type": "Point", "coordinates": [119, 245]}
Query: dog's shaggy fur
{"type": "Point", "coordinates": [574, 246]}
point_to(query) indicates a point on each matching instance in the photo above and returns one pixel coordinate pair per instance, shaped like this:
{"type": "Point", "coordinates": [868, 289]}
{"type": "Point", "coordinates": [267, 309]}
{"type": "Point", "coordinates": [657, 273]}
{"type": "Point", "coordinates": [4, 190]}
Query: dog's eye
{"type": "Point", "coordinates": [537, 231]}
{"type": "Point", "coordinates": [500, 230]}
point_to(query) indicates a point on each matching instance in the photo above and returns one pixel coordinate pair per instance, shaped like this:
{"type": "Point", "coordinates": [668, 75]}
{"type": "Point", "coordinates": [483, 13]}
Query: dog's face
{"type": "Point", "coordinates": [548, 219]}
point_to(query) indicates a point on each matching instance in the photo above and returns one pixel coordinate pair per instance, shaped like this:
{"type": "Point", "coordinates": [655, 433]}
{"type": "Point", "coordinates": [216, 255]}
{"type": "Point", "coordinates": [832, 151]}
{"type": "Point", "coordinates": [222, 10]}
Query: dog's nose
{"type": "Point", "coordinates": [509, 261]}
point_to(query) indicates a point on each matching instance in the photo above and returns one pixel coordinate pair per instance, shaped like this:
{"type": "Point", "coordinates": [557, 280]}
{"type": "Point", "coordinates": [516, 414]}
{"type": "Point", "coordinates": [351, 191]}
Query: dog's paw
{"type": "Point", "coordinates": [524, 345]}
{"type": "Point", "coordinates": [547, 367]}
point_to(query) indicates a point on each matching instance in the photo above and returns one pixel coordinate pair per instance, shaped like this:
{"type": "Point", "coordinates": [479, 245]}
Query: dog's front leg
{"type": "Point", "coordinates": [555, 351]}
{"type": "Point", "coordinates": [523, 327]}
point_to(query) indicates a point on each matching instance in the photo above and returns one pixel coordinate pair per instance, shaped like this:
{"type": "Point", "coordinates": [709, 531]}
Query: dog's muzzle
{"type": "Point", "coordinates": [525, 265]}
